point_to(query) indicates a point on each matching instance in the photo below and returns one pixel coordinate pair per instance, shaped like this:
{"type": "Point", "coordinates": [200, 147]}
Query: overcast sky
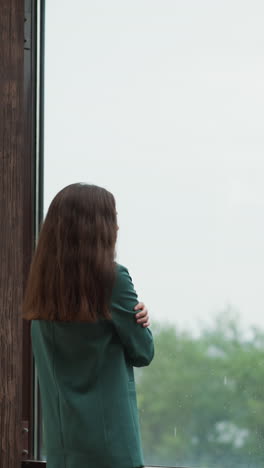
{"type": "Point", "coordinates": [162, 103]}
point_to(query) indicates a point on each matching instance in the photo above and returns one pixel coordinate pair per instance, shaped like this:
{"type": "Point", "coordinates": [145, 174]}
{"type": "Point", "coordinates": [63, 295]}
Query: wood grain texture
{"type": "Point", "coordinates": [11, 229]}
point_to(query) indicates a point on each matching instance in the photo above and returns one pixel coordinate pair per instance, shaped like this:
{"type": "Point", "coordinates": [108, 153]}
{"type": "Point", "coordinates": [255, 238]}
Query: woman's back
{"type": "Point", "coordinates": [87, 384]}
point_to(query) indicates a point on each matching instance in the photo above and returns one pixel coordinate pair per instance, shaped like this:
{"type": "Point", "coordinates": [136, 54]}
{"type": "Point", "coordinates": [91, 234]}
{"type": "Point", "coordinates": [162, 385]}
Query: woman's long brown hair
{"type": "Point", "coordinates": [72, 272]}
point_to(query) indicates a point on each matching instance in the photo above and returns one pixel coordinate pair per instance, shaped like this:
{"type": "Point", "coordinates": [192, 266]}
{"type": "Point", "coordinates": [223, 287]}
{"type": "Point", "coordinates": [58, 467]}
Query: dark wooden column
{"type": "Point", "coordinates": [12, 186]}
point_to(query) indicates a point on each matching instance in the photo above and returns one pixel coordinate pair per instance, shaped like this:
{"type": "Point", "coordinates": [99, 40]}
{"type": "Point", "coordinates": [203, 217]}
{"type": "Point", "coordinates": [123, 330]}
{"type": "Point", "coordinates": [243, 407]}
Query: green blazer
{"type": "Point", "coordinates": [87, 384]}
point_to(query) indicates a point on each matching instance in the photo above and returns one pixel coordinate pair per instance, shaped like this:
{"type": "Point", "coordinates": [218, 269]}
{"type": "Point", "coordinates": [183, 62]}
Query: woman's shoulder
{"type": "Point", "coordinates": [123, 279]}
{"type": "Point", "coordinates": [122, 273]}
{"type": "Point", "coordinates": [120, 268]}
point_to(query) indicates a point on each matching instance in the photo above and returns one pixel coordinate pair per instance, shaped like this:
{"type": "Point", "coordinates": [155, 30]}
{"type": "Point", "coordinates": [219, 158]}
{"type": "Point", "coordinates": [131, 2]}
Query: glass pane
{"type": "Point", "coordinates": [161, 102]}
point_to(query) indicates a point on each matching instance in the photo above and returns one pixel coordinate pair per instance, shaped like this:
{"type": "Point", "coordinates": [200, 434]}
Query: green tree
{"type": "Point", "coordinates": [201, 400]}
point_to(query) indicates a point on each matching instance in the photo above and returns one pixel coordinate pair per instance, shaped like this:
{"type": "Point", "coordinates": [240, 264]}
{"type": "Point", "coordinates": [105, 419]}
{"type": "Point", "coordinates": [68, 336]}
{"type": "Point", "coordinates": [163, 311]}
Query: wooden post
{"type": "Point", "coordinates": [12, 186]}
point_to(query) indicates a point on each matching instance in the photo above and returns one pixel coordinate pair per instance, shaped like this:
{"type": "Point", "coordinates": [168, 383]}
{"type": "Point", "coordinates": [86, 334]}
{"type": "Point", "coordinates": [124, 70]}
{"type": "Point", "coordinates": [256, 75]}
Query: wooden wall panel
{"type": "Point", "coordinates": [11, 229]}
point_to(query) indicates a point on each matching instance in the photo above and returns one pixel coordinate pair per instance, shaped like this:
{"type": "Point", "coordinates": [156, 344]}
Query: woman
{"type": "Point", "coordinates": [86, 335]}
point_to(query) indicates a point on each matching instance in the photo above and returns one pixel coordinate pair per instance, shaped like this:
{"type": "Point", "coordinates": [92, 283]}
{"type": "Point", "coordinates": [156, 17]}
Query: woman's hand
{"type": "Point", "coordinates": [142, 316]}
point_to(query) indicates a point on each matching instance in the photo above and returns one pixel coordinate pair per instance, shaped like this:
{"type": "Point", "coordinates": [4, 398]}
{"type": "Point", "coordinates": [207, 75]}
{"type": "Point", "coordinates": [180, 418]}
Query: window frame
{"type": "Point", "coordinates": [34, 12]}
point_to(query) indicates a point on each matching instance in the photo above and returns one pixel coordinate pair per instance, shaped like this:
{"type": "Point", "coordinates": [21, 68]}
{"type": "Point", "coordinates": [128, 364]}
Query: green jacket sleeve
{"type": "Point", "coordinates": [137, 340]}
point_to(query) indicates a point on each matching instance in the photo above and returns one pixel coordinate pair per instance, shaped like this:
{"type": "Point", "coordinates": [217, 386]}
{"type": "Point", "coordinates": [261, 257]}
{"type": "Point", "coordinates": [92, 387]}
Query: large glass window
{"type": "Point", "coordinates": [161, 102]}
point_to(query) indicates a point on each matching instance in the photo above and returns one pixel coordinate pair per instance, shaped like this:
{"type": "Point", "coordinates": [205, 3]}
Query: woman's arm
{"type": "Point", "coordinates": [137, 340]}
{"type": "Point", "coordinates": [142, 316]}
